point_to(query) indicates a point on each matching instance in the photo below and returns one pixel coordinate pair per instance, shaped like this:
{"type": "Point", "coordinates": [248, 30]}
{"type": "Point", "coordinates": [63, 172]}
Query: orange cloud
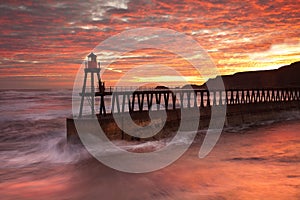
{"type": "Point", "coordinates": [50, 39]}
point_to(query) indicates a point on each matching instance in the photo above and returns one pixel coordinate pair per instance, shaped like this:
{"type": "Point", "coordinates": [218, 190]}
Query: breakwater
{"type": "Point", "coordinates": [242, 106]}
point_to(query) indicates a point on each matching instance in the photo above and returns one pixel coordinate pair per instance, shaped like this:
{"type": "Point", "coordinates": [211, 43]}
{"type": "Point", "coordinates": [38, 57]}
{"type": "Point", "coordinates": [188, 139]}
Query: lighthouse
{"type": "Point", "coordinates": [92, 70]}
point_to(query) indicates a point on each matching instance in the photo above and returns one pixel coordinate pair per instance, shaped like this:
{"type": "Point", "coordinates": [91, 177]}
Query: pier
{"type": "Point", "coordinates": [247, 105]}
{"type": "Point", "coordinates": [130, 101]}
{"type": "Point", "coordinates": [242, 105]}
{"type": "Point", "coordinates": [127, 100]}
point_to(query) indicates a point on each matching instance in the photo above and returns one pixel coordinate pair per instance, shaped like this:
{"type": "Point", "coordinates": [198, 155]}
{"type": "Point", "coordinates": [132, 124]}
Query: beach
{"type": "Point", "coordinates": [250, 161]}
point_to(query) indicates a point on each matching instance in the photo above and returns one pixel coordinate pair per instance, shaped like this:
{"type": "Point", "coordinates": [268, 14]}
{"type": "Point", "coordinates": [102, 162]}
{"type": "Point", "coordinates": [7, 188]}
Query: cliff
{"type": "Point", "coordinates": [286, 76]}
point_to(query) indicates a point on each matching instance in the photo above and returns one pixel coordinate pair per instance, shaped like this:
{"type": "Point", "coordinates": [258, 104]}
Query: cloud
{"type": "Point", "coordinates": [55, 36]}
{"type": "Point", "coordinates": [278, 53]}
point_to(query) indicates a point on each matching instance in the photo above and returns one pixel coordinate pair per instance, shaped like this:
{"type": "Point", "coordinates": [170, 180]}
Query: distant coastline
{"type": "Point", "coordinates": [283, 77]}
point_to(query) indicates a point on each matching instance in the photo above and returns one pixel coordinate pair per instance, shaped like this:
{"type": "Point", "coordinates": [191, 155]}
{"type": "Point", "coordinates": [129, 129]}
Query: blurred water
{"type": "Point", "coordinates": [249, 162]}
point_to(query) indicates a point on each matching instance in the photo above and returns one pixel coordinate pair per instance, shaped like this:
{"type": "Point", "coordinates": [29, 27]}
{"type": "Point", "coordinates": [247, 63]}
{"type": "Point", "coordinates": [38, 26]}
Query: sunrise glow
{"type": "Point", "coordinates": [44, 43]}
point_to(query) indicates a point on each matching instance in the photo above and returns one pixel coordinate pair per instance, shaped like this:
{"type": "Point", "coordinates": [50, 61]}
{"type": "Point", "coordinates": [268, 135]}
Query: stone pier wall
{"type": "Point", "coordinates": [236, 115]}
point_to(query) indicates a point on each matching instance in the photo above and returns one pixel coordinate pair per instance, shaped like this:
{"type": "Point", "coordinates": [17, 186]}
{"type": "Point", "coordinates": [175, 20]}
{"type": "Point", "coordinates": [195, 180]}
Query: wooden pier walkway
{"type": "Point", "coordinates": [157, 99]}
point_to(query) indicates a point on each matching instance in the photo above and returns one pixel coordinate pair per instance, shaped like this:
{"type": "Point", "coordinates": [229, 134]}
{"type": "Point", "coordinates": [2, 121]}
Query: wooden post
{"type": "Point", "coordinates": [149, 100]}
{"type": "Point", "coordinates": [237, 97]}
{"type": "Point", "coordinates": [188, 94]}
{"type": "Point", "coordinates": [214, 98]}
{"type": "Point", "coordinates": [133, 101]}
{"type": "Point", "coordinates": [226, 97]}
{"type": "Point", "coordinates": [243, 97]}
{"type": "Point", "coordinates": [123, 102]}
{"type": "Point", "coordinates": [129, 102]}
{"type": "Point", "coordinates": [158, 98]}
{"type": "Point", "coordinates": [174, 100]}
{"type": "Point", "coordinates": [231, 97]}
{"type": "Point", "coordinates": [166, 99]}
{"type": "Point", "coordinates": [208, 99]}
{"type": "Point", "coordinates": [195, 99]}
{"type": "Point", "coordinates": [140, 97]}
{"type": "Point", "coordinates": [268, 98]}
{"type": "Point", "coordinates": [102, 106]}
{"type": "Point", "coordinates": [248, 99]}
{"type": "Point", "coordinates": [181, 95]}
{"type": "Point", "coordinates": [82, 94]}
{"type": "Point", "coordinates": [220, 97]}
{"type": "Point", "coordinates": [201, 99]}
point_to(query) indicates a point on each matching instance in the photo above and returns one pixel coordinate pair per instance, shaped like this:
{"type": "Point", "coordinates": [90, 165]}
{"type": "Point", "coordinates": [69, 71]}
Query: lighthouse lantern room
{"type": "Point", "coordinates": [92, 61]}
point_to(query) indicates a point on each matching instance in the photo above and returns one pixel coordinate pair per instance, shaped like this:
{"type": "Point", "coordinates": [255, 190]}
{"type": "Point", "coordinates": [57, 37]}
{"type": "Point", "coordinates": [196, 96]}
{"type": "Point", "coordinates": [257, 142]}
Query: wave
{"type": "Point", "coordinates": [54, 151]}
{"type": "Point", "coordinates": [34, 105]}
{"type": "Point", "coordinates": [282, 116]}
{"type": "Point", "coordinates": [32, 125]}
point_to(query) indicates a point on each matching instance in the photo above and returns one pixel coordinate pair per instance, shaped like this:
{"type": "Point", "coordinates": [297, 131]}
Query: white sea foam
{"type": "Point", "coordinates": [32, 127]}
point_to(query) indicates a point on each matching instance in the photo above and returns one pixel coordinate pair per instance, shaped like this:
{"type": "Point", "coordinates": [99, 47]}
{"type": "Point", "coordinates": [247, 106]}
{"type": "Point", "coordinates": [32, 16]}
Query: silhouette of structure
{"type": "Point", "coordinates": [244, 104]}
{"type": "Point", "coordinates": [92, 68]}
{"type": "Point", "coordinates": [128, 101]}
{"type": "Point", "coordinates": [178, 98]}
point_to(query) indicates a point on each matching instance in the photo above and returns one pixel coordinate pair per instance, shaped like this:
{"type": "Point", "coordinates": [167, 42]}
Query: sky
{"type": "Point", "coordinates": [43, 43]}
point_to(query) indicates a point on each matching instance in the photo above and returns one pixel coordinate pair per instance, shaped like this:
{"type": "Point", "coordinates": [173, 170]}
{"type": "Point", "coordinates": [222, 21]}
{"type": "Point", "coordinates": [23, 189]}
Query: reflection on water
{"type": "Point", "coordinates": [36, 163]}
{"type": "Point", "coordinates": [256, 164]}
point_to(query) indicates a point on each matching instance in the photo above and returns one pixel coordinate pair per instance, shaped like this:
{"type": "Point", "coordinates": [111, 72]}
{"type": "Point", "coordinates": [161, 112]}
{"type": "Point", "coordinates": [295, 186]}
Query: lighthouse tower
{"type": "Point", "coordinates": [92, 68]}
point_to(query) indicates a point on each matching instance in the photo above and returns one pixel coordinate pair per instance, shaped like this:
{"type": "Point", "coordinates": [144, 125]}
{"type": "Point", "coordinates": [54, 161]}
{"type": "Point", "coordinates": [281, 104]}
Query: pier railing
{"type": "Point", "coordinates": [111, 89]}
{"type": "Point", "coordinates": [157, 99]}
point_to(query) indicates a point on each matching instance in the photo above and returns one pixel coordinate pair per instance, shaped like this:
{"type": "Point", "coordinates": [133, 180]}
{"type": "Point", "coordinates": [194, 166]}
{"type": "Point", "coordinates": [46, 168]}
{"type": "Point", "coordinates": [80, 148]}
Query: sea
{"type": "Point", "coordinates": [250, 161]}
